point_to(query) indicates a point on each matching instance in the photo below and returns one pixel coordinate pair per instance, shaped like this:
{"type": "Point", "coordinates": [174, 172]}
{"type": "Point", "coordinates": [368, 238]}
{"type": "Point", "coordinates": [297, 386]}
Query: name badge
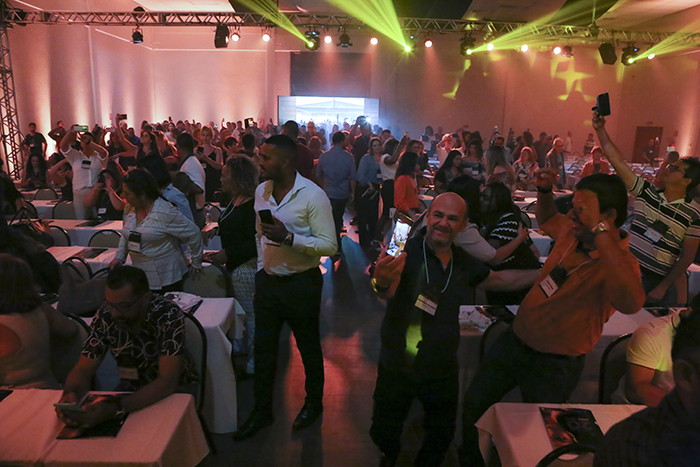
{"type": "Point", "coordinates": [85, 164]}
{"type": "Point", "coordinates": [102, 211]}
{"type": "Point", "coordinates": [128, 373]}
{"type": "Point", "coordinates": [204, 166]}
{"type": "Point", "coordinates": [427, 301]}
{"type": "Point", "coordinates": [134, 243]}
{"type": "Point", "coordinates": [656, 231]}
{"type": "Point", "coordinates": [554, 280]}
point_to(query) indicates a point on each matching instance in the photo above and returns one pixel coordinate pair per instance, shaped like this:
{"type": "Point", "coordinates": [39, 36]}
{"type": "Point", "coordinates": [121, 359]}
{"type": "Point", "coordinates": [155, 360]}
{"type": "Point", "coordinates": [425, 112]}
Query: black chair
{"type": "Point", "coordinates": [215, 211]}
{"type": "Point", "coordinates": [574, 448]}
{"type": "Point", "coordinates": [612, 368]}
{"type": "Point", "coordinates": [105, 238]}
{"type": "Point", "coordinates": [63, 210]}
{"type": "Point", "coordinates": [46, 194]}
{"type": "Point", "coordinates": [196, 346]}
{"type": "Point", "coordinates": [526, 219]}
{"type": "Point", "coordinates": [80, 266]}
{"type": "Point", "coordinates": [60, 236]}
{"type": "Point", "coordinates": [214, 283]}
{"type": "Point", "coordinates": [64, 359]}
{"type": "Point", "coordinates": [492, 333]}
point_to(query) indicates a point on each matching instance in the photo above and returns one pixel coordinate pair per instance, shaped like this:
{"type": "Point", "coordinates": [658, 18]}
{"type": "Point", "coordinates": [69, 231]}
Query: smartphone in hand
{"type": "Point", "coordinates": [266, 216]}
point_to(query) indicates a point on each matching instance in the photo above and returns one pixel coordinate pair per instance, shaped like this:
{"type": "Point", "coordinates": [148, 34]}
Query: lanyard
{"type": "Point", "coordinates": [427, 274]}
{"type": "Point", "coordinates": [577, 267]}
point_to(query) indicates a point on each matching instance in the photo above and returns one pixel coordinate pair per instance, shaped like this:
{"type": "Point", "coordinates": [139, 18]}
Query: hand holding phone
{"type": "Point", "coordinates": [399, 237]}
{"type": "Point", "coordinates": [602, 105]}
{"type": "Point", "coordinates": [266, 216]}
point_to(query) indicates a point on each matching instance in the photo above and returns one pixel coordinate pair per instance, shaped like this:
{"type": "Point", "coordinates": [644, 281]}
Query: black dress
{"type": "Point", "coordinates": [212, 180]}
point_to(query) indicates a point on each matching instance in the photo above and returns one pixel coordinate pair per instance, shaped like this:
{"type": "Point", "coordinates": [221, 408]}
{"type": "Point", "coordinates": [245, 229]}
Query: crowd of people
{"type": "Point", "coordinates": [285, 196]}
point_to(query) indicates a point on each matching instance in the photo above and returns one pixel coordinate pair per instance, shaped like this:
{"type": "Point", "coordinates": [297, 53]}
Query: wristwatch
{"type": "Point", "coordinates": [120, 410]}
{"type": "Point", "coordinates": [289, 239]}
{"type": "Point", "coordinates": [377, 288]}
{"type": "Point", "coordinates": [602, 226]}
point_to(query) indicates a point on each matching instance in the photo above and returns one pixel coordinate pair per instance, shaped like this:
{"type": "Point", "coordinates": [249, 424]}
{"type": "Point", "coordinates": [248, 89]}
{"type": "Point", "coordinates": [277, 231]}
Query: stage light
{"type": "Point", "coordinates": [556, 50]}
{"type": "Point", "coordinates": [328, 39]}
{"type": "Point", "coordinates": [137, 36]}
{"type": "Point", "coordinates": [235, 37]}
{"type": "Point", "coordinates": [374, 41]}
{"type": "Point", "coordinates": [567, 51]}
{"type": "Point", "coordinates": [221, 36]}
{"type": "Point", "coordinates": [313, 40]}
{"type": "Point", "coordinates": [344, 41]}
{"type": "Point", "coordinates": [490, 46]}
{"type": "Point", "coordinates": [407, 48]}
{"type": "Point", "coordinates": [428, 43]}
{"type": "Point", "coordinates": [651, 56]}
{"type": "Point", "coordinates": [629, 55]}
{"type": "Point", "coordinates": [266, 36]}
{"type": "Point", "coordinates": [466, 45]}
{"type": "Point", "coordinates": [524, 48]}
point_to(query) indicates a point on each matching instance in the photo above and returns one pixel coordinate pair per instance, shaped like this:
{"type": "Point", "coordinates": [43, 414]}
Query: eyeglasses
{"type": "Point", "coordinates": [123, 307]}
{"type": "Point", "coordinates": [674, 168]}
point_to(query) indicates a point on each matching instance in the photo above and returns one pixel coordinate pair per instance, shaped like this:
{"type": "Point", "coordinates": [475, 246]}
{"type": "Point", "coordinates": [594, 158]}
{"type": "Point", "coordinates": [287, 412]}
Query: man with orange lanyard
{"type": "Point", "coordinates": [589, 274]}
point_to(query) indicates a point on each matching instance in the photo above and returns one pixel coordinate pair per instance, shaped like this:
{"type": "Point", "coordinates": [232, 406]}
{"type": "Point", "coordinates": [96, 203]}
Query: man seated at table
{"type": "Point", "coordinates": [145, 333]}
{"type": "Point", "coordinates": [649, 369]}
{"type": "Point", "coordinates": [669, 434]}
{"type": "Point", "coordinates": [665, 231]}
{"type": "Point", "coordinates": [588, 275]}
{"type": "Point", "coordinates": [420, 333]}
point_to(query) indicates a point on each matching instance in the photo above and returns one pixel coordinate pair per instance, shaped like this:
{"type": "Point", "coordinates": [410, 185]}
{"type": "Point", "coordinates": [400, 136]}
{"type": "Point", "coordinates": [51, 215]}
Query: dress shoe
{"type": "Point", "coordinates": [307, 416]}
{"type": "Point", "coordinates": [256, 422]}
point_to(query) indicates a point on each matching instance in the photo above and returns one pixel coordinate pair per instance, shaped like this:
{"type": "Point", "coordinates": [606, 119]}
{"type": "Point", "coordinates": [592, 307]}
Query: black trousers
{"type": "Point", "coordinates": [393, 395]}
{"type": "Point", "coordinates": [509, 363]}
{"type": "Point", "coordinates": [338, 209]}
{"type": "Point", "coordinates": [367, 216]}
{"type": "Point", "coordinates": [296, 300]}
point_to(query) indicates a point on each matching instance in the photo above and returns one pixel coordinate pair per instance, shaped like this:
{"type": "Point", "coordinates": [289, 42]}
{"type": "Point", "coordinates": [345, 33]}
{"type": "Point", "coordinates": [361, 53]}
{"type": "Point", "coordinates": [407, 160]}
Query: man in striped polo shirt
{"type": "Point", "coordinates": [665, 231]}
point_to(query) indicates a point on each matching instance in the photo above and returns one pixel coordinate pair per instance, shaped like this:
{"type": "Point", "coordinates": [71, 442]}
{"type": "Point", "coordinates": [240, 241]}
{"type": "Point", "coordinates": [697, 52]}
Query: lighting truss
{"type": "Point", "coordinates": [304, 20]}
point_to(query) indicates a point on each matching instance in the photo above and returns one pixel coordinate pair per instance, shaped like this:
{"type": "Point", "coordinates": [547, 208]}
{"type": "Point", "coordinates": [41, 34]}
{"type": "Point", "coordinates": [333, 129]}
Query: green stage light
{"type": "Point", "coordinates": [269, 9]}
{"type": "Point", "coordinates": [380, 15]}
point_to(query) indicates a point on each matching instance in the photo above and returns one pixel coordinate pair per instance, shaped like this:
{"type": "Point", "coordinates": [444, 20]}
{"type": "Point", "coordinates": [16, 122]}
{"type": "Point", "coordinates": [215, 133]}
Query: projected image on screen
{"type": "Point", "coordinates": [327, 111]}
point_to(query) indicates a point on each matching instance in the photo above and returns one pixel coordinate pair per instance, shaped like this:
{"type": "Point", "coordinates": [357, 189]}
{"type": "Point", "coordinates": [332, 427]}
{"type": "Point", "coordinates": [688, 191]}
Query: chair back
{"type": "Point", "coordinates": [526, 219]}
{"type": "Point", "coordinates": [63, 210]}
{"type": "Point", "coordinates": [46, 194]}
{"type": "Point", "coordinates": [215, 282]}
{"type": "Point", "coordinates": [196, 346]}
{"type": "Point", "coordinates": [585, 457]}
{"type": "Point", "coordinates": [215, 212]}
{"type": "Point", "coordinates": [60, 236]}
{"type": "Point", "coordinates": [105, 238]}
{"type": "Point", "coordinates": [492, 333]}
{"type": "Point", "coordinates": [28, 211]}
{"type": "Point", "coordinates": [612, 368]}
{"type": "Point", "coordinates": [80, 267]}
{"type": "Point", "coordinates": [63, 359]}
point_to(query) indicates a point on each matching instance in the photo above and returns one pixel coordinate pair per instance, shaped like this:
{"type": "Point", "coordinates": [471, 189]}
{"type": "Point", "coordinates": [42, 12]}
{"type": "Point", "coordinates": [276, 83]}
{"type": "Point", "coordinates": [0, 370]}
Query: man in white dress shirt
{"type": "Point", "coordinates": [294, 230]}
{"type": "Point", "coordinates": [87, 164]}
{"type": "Point", "coordinates": [190, 165]}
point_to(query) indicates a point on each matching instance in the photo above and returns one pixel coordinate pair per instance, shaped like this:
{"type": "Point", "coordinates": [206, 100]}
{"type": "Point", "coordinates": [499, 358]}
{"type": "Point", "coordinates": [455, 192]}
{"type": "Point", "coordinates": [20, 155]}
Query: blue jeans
{"type": "Point", "coordinates": [509, 363]}
{"type": "Point", "coordinates": [649, 282]}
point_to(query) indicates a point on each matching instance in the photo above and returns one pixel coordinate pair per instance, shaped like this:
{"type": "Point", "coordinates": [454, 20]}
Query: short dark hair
{"type": "Point", "coordinates": [230, 141]}
{"type": "Point", "coordinates": [611, 193]}
{"type": "Point", "coordinates": [468, 188]}
{"type": "Point", "coordinates": [285, 144]}
{"type": "Point", "coordinates": [685, 340]}
{"type": "Point", "coordinates": [248, 141]}
{"type": "Point", "coordinates": [32, 124]}
{"type": "Point", "coordinates": [156, 166]}
{"type": "Point", "coordinates": [338, 137]}
{"type": "Point", "coordinates": [390, 146]}
{"type": "Point", "coordinates": [186, 142]}
{"type": "Point", "coordinates": [291, 128]}
{"type": "Point", "coordinates": [142, 183]}
{"type": "Point", "coordinates": [121, 276]}
{"type": "Point", "coordinates": [692, 172]}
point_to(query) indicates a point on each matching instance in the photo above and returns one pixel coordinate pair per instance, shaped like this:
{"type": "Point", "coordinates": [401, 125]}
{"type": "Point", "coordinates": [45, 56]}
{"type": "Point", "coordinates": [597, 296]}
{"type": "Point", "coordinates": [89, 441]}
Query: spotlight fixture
{"type": "Point", "coordinates": [374, 40]}
{"type": "Point", "coordinates": [556, 50]}
{"type": "Point", "coordinates": [567, 51]}
{"type": "Point", "coordinates": [524, 48]}
{"type": "Point", "coordinates": [313, 40]}
{"type": "Point", "coordinates": [466, 45]}
{"type": "Point", "coordinates": [236, 36]}
{"type": "Point", "coordinates": [428, 43]}
{"type": "Point", "coordinates": [221, 36]}
{"type": "Point", "coordinates": [328, 39]}
{"type": "Point", "coordinates": [137, 36]}
{"type": "Point", "coordinates": [344, 41]}
{"type": "Point", "coordinates": [410, 43]}
{"type": "Point", "coordinates": [651, 56]}
{"type": "Point", "coordinates": [490, 46]}
{"type": "Point", "coordinates": [629, 55]}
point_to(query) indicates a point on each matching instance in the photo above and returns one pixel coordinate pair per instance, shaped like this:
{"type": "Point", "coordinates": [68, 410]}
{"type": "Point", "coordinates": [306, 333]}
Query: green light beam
{"type": "Point", "coordinates": [380, 15]}
{"type": "Point", "coordinates": [673, 43]}
{"type": "Point", "coordinates": [269, 10]}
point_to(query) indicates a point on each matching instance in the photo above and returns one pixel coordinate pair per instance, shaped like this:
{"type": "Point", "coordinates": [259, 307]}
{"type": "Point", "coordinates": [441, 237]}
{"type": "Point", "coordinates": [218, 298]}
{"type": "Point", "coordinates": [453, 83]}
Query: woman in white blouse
{"type": "Point", "coordinates": [153, 232]}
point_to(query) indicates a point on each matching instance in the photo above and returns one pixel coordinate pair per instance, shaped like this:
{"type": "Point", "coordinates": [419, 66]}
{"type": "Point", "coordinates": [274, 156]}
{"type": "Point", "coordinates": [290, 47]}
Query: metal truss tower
{"type": "Point", "coordinates": [9, 120]}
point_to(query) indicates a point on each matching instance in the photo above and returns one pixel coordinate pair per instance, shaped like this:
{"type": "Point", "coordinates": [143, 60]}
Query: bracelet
{"type": "Point", "coordinates": [377, 288]}
{"type": "Point", "coordinates": [544, 190]}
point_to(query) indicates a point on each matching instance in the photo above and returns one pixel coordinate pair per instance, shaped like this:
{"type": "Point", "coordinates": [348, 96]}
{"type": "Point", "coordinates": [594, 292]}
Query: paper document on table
{"type": "Point", "coordinates": [478, 318]}
{"type": "Point", "coordinates": [566, 426]}
{"type": "Point", "coordinates": [186, 301]}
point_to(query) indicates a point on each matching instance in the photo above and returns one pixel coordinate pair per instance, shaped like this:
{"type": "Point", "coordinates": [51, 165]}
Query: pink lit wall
{"type": "Point", "coordinates": [82, 74]}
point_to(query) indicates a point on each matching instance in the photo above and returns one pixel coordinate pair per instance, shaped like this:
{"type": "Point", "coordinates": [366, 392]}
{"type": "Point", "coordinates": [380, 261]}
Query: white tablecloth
{"type": "Point", "coordinates": [167, 433]}
{"type": "Point", "coordinates": [44, 207]}
{"type": "Point", "coordinates": [587, 389]}
{"type": "Point", "coordinates": [62, 253]}
{"type": "Point", "coordinates": [519, 434]}
{"type": "Point", "coordinates": [542, 242]}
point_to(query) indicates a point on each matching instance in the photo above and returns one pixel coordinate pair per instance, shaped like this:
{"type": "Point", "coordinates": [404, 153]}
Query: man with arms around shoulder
{"type": "Point", "coordinates": [665, 230]}
{"type": "Point", "coordinates": [588, 275]}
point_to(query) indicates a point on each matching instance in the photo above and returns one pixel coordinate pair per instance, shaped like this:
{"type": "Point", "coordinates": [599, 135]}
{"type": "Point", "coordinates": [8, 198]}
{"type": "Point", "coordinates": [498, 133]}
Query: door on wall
{"type": "Point", "coordinates": [646, 144]}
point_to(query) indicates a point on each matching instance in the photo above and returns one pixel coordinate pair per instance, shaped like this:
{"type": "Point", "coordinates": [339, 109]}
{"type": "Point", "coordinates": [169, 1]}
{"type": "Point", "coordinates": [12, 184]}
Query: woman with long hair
{"type": "Point", "coordinates": [501, 225]}
{"type": "Point", "coordinates": [473, 160]}
{"type": "Point", "coordinates": [368, 185]}
{"type": "Point", "coordinates": [525, 168]}
{"type": "Point", "coordinates": [34, 174]}
{"type": "Point", "coordinates": [405, 187]}
{"type": "Point", "coordinates": [388, 165]}
{"type": "Point", "coordinates": [498, 168]}
{"type": "Point", "coordinates": [450, 170]}
{"type": "Point", "coordinates": [212, 160]}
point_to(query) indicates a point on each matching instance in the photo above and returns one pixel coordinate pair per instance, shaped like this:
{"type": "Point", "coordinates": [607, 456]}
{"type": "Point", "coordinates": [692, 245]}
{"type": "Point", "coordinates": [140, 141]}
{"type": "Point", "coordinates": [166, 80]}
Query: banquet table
{"type": "Point", "coordinates": [44, 207]}
{"type": "Point", "coordinates": [587, 389]}
{"type": "Point", "coordinates": [221, 319]}
{"type": "Point", "coordinates": [519, 435]}
{"type": "Point", "coordinates": [28, 195]}
{"type": "Point", "coordinates": [542, 242]}
{"type": "Point", "coordinates": [167, 433]}
{"type": "Point", "coordinates": [101, 261]}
